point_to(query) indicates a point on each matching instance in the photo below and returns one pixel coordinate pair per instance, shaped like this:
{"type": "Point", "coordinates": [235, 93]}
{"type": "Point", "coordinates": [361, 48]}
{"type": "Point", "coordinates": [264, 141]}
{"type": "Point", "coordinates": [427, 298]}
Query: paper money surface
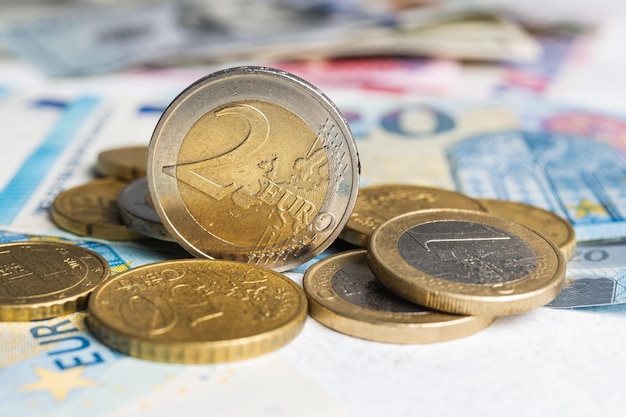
{"type": "Point", "coordinates": [567, 161]}
{"type": "Point", "coordinates": [596, 275]}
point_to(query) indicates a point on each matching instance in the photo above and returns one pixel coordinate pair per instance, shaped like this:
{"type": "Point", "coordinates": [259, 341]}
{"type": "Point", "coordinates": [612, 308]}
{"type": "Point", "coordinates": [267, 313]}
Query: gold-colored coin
{"type": "Point", "coordinates": [345, 295]}
{"type": "Point", "coordinates": [91, 210]}
{"type": "Point", "coordinates": [466, 262]}
{"type": "Point", "coordinates": [40, 280]}
{"type": "Point", "coordinates": [197, 311]}
{"type": "Point", "coordinates": [255, 165]}
{"type": "Point", "coordinates": [377, 204]}
{"type": "Point", "coordinates": [127, 163]}
{"type": "Point", "coordinates": [556, 228]}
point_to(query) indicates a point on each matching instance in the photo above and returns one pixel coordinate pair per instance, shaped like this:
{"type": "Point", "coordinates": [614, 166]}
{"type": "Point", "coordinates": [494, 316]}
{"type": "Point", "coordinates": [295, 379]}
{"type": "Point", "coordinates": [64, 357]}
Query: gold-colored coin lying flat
{"type": "Point", "coordinates": [91, 210]}
{"type": "Point", "coordinates": [377, 204]}
{"type": "Point", "coordinates": [466, 262]}
{"type": "Point", "coordinates": [127, 163]}
{"type": "Point", "coordinates": [345, 295]}
{"type": "Point", "coordinates": [197, 311]}
{"type": "Point", "coordinates": [556, 228]}
{"type": "Point", "coordinates": [41, 280]}
{"type": "Point", "coordinates": [253, 164]}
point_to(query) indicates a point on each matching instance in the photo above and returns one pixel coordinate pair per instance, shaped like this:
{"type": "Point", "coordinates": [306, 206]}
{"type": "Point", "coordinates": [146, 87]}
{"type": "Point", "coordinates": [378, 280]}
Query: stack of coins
{"type": "Point", "coordinates": [439, 265]}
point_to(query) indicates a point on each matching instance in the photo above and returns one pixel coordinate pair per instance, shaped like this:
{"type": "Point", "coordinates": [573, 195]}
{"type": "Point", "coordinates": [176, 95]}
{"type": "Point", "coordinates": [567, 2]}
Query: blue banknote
{"type": "Point", "coordinates": [577, 176]}
{"type": "Point", "coordinates": [596, 275]}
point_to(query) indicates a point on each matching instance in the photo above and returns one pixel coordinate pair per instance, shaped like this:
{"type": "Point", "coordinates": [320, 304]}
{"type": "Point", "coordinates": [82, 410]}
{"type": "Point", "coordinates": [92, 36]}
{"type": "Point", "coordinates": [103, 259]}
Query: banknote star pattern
{"type": "Point", "coordinates": [586, 208]}
{"type": "Point", "coordinates": [59, 383]}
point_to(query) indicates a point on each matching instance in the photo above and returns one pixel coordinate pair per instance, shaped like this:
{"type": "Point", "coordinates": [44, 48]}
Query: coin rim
{"type": "Point", "coordinates": [360, 237]}
{"type": "Point", "coordinates": [57, 307]}
{"type": "Point", "coordinates": [109, 165]}
{"type": "Point", "coordinates": [107, 231]}
{"type": "Point", "coordinates": [289, 81]}
{"type": "Point", "coordinates": [191, 352]}
{"type": "Point", "coordinates": [341, 315]}
{"type": "Point", "coordinates": [534, 290]}
{"type": "Point", "coordinates": [567, 246]}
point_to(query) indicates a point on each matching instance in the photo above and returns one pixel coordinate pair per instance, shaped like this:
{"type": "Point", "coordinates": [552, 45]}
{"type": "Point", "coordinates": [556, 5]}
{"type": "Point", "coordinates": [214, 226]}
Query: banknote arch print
{"type": "Point", "coordinates": [253, 164]}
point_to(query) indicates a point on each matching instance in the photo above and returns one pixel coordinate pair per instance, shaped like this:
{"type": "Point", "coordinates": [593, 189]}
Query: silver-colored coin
{"type": "Point", "coordinates": [253, 164]}
{"type": "Point", "coordinates": [467, 252]}
{"type": "Point", "coordinates": [137, 211]}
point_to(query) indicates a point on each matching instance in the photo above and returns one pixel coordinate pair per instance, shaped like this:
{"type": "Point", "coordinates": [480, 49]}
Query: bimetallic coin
{"type": "Point", "coordinates": [197, 311]}
{"type": "Point", "coordinates": [127, 163]}
{"type": "Point", "coordinates": [556, 228]}
{"type": "Point", "coordinates": [253, 164]}
{"type": "Point", "coordinates": [377, 204]}
{"type": "Point", "coordinates": [137, 210]}
{"type": "Point", "coordinates": [91, 210]}
{"type": "Point", "coordinates": [40, 280]}
{"type": "Point", "coordinates": [466, 262]}
{"type": "Point", "coordinates": [345, 295]}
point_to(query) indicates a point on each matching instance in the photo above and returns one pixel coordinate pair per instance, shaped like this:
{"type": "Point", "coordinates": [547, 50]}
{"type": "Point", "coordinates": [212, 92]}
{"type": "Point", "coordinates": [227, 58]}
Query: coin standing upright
{"type": "Point", "coordinates": [253, 164]}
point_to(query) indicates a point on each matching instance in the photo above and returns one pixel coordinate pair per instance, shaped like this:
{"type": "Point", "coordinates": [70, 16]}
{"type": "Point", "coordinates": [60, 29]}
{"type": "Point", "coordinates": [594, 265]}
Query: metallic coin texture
{"type": "Point", "coordinates": [253, 164]}
{"type": "Point", "coordinates": [91, 210]}
{"type": "Point", "coordinates": [556, 228]}
{"type": "Point", "coordinates": [197, 311]}
{"type": "Point", "coordinates": [466, 262]}
{"type": "Point", "coordinates": [345, 295]}
{"type": "Point", "coordinates": [137, 210]}
{"type": "Point", "coordinates": [377, 204]}
{"type": "Point", "coordinates": [127, 163]}
{"type": "Point", "coordinates": [40, 280]}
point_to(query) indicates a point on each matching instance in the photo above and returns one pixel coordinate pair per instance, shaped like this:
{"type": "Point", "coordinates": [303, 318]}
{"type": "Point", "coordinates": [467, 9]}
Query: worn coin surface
{"type": "Point", "coordinates": [126, 163]}
{"type": "Point", "coordinates": [253, 164]}
{"type": "Point", "coordinates": [137, 210]}
{"type": "Point", "coordinates": [556, 228]}
{"type": "Point", "coordinates": [91, 209]}
{"type": "Point", "coordinates": [345, 295]}
{"type": "Point", "coordinates": [379, 203]}
{"type": "Point", "coordinates": [197, 311]}
{"type": "Point", "coordinates": [466, 262]}
{"type": "Point", "coordinates": [40, 280]}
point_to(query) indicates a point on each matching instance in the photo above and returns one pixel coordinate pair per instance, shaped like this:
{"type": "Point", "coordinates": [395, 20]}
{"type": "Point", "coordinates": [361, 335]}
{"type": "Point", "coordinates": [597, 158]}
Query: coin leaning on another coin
{"type": "Point", "coordinates": [379, 203]}
{"type": "Point", "coordinates": [466, 262]}
{"type": "Point", "coordinates": [253, 164]}
{"type": "Point", "coordinates": [344, 295]}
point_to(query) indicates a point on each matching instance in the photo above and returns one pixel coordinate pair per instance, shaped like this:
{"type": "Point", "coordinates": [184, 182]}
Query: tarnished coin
{"type": "Point", "coordinates": [91, 210]}
{"type": "Point", "coordinates": [137, 210]}
{"type": "Point", "coordinates": [466, 262]}
{"type": "Point", "coordinates": [127, 163]}
{"type": "Point", "coordinates": [377, 204]}
{"type": "Point", "coordinates": [197, 311]}
{"type": "Point", "coordinates": [556, 228]}
{"type": "Point", "coordinates": [40, 280]}
{"type": "Point", "coordinates": [345, 295]}
{"type": "Point", "coordinates": [253, 164]}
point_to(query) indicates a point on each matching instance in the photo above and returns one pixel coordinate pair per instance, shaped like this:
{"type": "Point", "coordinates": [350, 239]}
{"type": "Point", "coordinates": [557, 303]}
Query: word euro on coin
{"type": "Point", "coordinates": [466, 262]}
{"type": "Point", "coordinates": [556, 228]}
{"type": "Point", "coordinates": [255, 165]}
{"type": "Point", "coordinates": [197, 311]}
{"type": "Point", "coordinates": [379, 203]}
{"type": "Point", "coordinates": [41, 280]}
{"type": "Point", "coordinates": [344, 295]}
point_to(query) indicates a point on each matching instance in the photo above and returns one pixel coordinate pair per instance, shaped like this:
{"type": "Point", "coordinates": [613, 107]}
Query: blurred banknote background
{"type": "Point", "coordinates": [524, 101]}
